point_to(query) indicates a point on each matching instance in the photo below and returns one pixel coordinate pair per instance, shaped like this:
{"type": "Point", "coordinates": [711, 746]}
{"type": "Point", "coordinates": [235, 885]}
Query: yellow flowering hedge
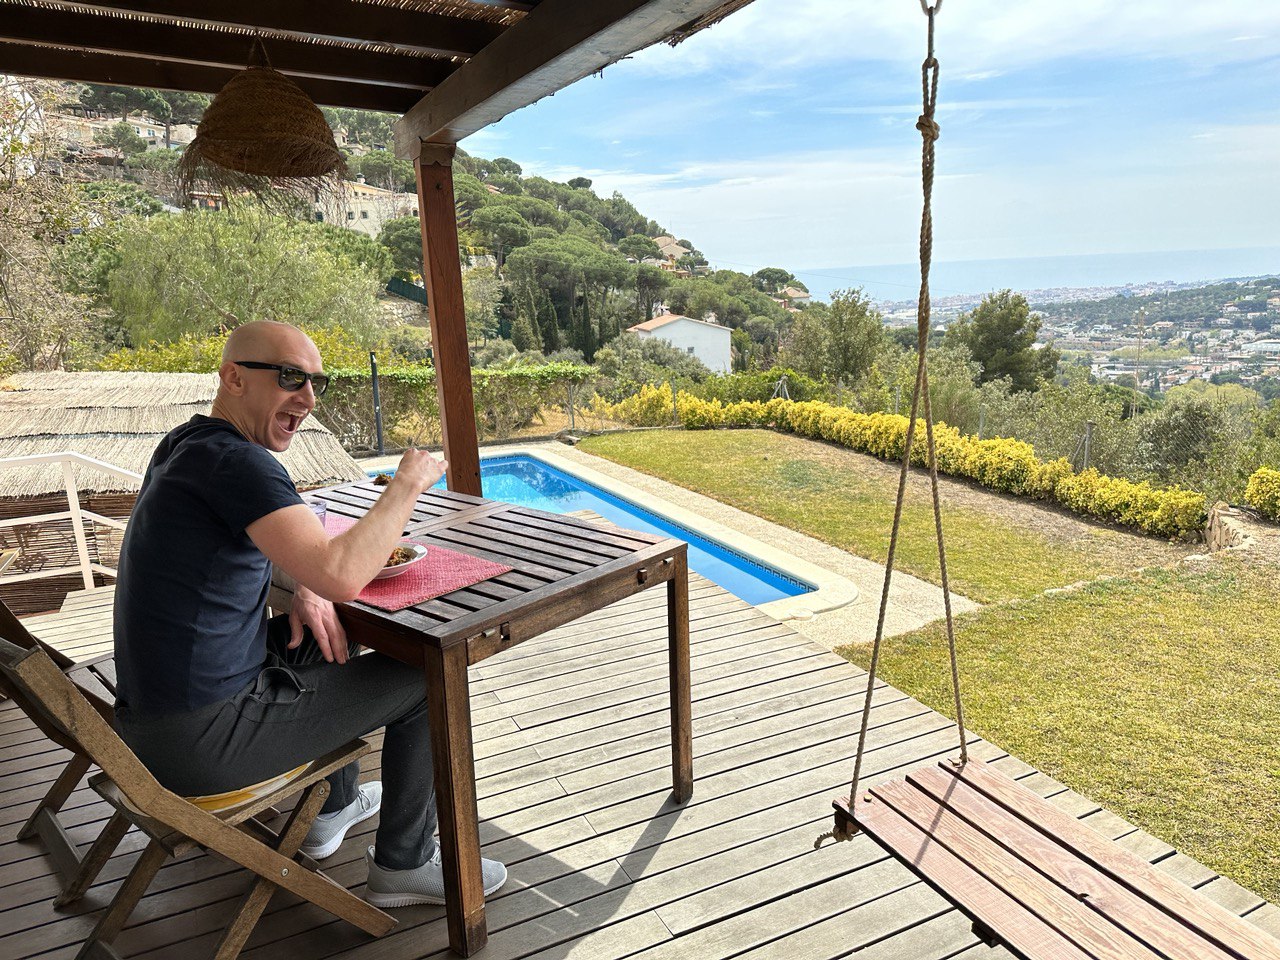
{"type": "Point", "coordinates": [999, 463]}
{"type": "Point", "coordinates": [1263, 492]}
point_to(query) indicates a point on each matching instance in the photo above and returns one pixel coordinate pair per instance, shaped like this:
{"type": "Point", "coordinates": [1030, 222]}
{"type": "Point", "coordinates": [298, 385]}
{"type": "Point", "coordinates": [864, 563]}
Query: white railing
{"type": "Point", "coordinates": [77, 514]}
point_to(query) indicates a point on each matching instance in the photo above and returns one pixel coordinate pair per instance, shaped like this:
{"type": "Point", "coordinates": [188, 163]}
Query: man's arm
{"type": "Point", "coordinates": [337, 569]}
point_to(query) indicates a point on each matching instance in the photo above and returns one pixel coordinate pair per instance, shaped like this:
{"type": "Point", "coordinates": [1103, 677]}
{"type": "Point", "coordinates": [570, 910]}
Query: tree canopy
{"type": "Point", "coordinates": [205, 273]}
{"type": "Point", "coordinates": [1000, 335]}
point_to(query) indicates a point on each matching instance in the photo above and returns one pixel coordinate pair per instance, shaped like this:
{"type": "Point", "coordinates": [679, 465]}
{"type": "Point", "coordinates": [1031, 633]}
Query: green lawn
{"type": "Point", "coordinates": [1156, 695]}
{"type": "Point", "coordinates": [846, 500]}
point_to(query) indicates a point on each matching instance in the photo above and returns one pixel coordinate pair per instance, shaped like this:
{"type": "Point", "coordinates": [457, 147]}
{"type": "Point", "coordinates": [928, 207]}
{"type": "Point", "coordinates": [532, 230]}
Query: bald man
{"type": "Point", "coordinates": [211, 696]}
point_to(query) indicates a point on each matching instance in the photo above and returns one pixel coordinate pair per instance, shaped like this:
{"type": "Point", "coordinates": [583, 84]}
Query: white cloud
{"type": "Point", "coordinates": [979, 37]}
{"type": "Point", "coordinates": [847, 207]}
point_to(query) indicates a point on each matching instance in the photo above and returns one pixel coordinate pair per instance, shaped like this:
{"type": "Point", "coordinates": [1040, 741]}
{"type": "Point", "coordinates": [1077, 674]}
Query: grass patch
{"type": "Point", "coordinates": [1157, 695]}
{"type": "Point", "coordinates": [846, 499]}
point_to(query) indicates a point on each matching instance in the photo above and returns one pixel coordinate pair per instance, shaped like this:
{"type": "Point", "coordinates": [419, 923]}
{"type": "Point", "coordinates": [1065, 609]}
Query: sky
{"type": "Point", "coordinates": [785, 135]}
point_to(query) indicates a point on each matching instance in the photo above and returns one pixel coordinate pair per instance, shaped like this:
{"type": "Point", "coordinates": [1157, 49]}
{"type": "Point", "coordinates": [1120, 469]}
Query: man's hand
{"type": "Point", "coordinates": [339, 567]}
{"type": "Point", "coordinates": [420, 468]}
{"type": "Point", "coordinates": [317, 613]}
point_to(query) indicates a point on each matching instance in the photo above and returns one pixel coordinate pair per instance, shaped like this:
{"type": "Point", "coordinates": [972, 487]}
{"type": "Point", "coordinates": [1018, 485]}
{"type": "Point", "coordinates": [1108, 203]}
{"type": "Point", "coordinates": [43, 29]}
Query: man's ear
{"type": "Point", "coordinates": [231, 378]}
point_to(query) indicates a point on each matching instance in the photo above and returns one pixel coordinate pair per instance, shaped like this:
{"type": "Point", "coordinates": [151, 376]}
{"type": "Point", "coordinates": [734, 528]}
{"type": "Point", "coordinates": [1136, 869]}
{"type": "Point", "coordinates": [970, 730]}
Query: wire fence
{"type": "Point", "coordinates": [1197, 445]}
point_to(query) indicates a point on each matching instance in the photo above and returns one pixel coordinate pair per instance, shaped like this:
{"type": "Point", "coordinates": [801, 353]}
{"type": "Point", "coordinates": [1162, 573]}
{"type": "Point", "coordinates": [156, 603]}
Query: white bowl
{"type": "Point", "coordinates": [420, 553]}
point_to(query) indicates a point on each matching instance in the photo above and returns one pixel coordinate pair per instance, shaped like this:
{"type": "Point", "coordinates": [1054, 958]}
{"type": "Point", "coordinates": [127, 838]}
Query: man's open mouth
{"type": "Point", "coordinates": [290, 422]}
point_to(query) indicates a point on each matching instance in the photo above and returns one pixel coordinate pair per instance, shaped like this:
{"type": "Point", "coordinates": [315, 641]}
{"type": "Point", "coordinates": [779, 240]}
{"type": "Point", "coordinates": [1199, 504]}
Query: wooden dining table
{"type": "Point", "coordinates": [561, 568]}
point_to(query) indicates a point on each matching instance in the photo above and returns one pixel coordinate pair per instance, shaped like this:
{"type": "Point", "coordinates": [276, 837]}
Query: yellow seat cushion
{"type": "Point", "coordinates": [217, 802]}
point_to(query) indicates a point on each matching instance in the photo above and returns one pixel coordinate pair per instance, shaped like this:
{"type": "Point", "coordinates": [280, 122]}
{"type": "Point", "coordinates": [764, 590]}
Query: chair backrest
{"type": "Point", "coordinates": [62, 710]}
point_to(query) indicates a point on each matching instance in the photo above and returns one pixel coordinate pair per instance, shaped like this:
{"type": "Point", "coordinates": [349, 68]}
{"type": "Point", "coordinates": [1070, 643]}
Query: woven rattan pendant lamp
{"type": "Point", "coordinates": [263, 136]}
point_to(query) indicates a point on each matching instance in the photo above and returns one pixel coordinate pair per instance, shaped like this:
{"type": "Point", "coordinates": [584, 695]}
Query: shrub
{"type": "Point", "coordinates": [1263, 492]}
{"type": "Point", "coordinates": [504, 400]}
{"type": "Point", "coordinates": [649, 407]}
{"type": "Point", "coordinates": [758, 385]}
{"type": "Point", "coordinates": [999, 463]}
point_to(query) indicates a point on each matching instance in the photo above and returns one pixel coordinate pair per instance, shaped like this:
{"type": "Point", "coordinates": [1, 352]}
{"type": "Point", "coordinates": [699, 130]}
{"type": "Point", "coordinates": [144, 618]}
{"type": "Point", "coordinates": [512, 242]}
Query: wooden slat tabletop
{"type": "Point", "coordinates": [551, 556]}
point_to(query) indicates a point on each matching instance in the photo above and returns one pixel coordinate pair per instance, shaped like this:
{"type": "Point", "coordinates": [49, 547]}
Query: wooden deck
{"type": "Point", "coordinates": [573, 766]}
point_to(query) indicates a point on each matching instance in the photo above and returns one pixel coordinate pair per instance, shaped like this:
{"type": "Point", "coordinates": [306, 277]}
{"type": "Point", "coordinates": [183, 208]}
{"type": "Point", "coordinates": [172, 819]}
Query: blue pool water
{"type": "Point", "coordinates": [531, 483]}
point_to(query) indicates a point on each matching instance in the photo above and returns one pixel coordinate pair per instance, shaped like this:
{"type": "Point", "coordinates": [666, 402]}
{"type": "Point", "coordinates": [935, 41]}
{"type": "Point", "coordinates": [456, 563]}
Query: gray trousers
{"type": "Point", "coordinates": [296, 710]}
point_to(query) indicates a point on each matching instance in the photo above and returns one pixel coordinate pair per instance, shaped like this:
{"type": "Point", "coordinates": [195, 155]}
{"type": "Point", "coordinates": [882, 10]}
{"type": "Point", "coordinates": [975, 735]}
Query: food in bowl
{"type": "Point", "coordinates": [381, 480]}
{"type": "Point", "coordinates": [402, 558]}
{"type": "Point", "coordinates": [401, 554]}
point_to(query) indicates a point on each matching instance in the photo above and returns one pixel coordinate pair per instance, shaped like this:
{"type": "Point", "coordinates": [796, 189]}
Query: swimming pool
{"type": "Point", "coordinates": [530, 482]}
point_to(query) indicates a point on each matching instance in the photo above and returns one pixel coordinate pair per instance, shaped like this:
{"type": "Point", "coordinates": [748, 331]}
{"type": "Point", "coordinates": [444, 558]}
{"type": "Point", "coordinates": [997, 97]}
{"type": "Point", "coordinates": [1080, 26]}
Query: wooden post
{"type": "Point", "coordinates": [449, 703]}
{"type": "Point", "coordinates": [443, 275]}
{"type": "Point", "coordinates": [681, 708]}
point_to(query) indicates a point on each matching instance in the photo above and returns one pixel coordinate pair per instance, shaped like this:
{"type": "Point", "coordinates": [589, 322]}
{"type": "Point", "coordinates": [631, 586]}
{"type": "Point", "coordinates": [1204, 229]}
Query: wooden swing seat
{"type": "Point", "coordinates": [1034, 879]}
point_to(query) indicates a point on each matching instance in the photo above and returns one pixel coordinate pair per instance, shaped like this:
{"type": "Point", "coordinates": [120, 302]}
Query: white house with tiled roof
{"type": "Point", "coordinates": [707, 341]}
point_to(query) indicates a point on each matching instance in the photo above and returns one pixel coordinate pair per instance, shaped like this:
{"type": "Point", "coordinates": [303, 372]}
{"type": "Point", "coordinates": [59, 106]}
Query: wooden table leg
{"type": "Point", "coordinates": [681, 708]}
{"type": "Point", "coordinates": [455, 772]}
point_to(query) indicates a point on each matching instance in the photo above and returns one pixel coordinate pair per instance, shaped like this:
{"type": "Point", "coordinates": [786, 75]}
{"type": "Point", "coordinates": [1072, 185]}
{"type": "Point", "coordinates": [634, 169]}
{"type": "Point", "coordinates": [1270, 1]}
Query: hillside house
{"type": "Point", "coordinates": [361, 206]}
{"type": "Point", "coordinates": [707, 341]}
{"type": "Point", "coordinates": [793, 297]}
{"type": "Point", "coordinates": [81, 130]}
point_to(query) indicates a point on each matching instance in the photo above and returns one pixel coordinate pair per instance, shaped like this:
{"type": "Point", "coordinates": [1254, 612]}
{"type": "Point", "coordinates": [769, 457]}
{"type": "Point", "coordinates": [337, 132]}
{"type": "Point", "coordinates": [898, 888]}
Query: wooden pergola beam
{"type": "Point", "coordinates": [438, 217]}
{"type": "Point", "coordinates": [522, 5]}
{"type": "Point", "coordinates": [173, 43]}
{"type": "Point", "coordinates": [558, 43]}
{"type": "Point", "coordinates": [395, 26]}
{"type": "Point", "coordinates": [60, 64]}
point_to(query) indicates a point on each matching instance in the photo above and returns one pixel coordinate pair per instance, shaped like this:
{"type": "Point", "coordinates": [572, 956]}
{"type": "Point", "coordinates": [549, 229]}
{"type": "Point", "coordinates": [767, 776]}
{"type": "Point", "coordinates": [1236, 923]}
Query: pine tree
{"type": "Point", "coordinates": [523, 334]}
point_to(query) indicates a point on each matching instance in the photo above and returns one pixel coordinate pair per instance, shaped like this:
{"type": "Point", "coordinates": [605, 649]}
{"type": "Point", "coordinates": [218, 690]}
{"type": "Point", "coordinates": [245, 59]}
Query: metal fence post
{"type": "Point", "coordinates": [675, 407]}
{"type": "Point", "coordinates": [377, 400]}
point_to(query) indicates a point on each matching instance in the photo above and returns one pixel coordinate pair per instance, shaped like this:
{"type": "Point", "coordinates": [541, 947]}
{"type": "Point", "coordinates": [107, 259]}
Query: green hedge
{"type": "Point", "coordinates": [505, 400]}
{"type": "Point", "coordinates": [1000, 464]}
{"type": "Point", "coordinates": [1263, 492]}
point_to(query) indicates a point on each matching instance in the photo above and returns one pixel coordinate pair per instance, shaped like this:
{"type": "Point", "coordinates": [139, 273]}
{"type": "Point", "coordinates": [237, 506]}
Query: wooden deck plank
{"type": "Point", "coordinates": [574, 782]}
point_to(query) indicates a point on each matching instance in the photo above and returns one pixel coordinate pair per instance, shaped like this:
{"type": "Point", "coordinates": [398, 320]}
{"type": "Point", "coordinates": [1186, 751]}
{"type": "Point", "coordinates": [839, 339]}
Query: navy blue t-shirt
{"type": "Point", "coordinates": [191, 594]}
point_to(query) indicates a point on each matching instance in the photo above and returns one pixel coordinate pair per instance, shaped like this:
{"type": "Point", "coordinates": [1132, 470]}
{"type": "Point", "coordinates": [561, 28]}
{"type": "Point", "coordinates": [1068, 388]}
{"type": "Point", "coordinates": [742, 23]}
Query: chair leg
{"type": "Point", "coordinates": [131, 891]}
{"type": "Point", "coordinates": [256, 900]}
{"type": "Point", "coordinates": [58, 793]}
{"type": "Point", "coordinates": [94, 860]}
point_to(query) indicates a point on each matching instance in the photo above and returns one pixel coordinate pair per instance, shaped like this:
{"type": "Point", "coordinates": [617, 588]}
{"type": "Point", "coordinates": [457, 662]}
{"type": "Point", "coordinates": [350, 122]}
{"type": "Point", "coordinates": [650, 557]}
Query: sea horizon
{"type": "Point", "coordinates": [901, 281]}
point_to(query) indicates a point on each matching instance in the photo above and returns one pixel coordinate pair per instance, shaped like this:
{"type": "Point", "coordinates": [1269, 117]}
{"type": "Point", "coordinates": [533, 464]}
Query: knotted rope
{"type": "Point", "coordinates": [929, 132]}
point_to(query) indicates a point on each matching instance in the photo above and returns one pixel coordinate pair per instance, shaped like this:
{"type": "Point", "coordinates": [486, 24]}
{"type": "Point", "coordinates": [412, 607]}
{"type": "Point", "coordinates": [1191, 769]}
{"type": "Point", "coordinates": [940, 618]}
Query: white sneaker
{"type": "Point", "coordinates": [424, 884]}
{"type": "Point", "coordinates": [325, 836]}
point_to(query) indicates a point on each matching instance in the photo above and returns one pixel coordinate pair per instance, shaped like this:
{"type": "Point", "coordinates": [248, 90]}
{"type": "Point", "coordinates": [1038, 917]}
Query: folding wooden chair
{"type": "Point", "coordinates": [177, 825]}
{"type": "Point", "coordinates": [96, 681]}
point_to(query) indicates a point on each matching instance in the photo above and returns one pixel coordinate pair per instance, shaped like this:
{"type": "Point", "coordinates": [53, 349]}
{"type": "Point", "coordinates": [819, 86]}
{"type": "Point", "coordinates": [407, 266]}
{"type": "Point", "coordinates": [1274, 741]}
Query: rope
{"type": "Point", "coordinates": [929, 132]}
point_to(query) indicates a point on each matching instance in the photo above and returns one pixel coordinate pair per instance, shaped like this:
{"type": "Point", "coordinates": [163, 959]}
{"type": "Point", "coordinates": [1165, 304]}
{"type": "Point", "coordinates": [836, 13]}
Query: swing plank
{"type": "Point", "coordinates": [1037, 880]}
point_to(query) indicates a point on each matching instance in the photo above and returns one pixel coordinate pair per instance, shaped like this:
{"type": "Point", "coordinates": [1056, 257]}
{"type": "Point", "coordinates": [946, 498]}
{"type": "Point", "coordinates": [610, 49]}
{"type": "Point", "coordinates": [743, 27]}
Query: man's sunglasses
{"type": "Point", "coordinates": [290, 378]}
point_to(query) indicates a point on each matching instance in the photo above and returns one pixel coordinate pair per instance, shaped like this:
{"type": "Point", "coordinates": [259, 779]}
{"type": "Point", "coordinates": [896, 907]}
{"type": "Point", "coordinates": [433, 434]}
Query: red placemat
{"type": "Point", "coordinates": [443, 571]}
